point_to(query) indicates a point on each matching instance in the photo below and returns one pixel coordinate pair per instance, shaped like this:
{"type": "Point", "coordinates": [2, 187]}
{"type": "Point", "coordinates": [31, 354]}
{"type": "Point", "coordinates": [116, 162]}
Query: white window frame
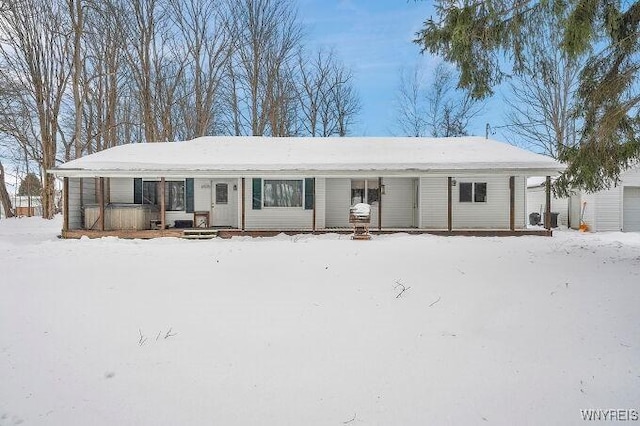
{"type": "Point", "coordinates": [158, 201]}
{"type": "Point", "coordinates": [264, 182]}
{"type": "Point", "coordinates": [366, 190]}
{"type": "Point", "coordinates": [473, 193]}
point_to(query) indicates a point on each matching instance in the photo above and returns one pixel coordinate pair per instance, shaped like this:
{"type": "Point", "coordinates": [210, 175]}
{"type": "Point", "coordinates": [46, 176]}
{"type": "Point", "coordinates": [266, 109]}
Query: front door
{"type": "Point", "coordinates": [222, 202]}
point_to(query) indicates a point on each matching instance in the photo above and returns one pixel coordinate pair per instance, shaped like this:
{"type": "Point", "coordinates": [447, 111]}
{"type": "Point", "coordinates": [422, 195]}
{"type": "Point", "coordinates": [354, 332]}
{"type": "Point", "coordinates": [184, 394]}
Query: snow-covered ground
{"type": "Point", "coordinates": [316, 330]}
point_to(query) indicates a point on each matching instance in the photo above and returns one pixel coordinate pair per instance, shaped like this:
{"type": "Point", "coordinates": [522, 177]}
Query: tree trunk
{"type": "Point", "coordinates": [5, 200]}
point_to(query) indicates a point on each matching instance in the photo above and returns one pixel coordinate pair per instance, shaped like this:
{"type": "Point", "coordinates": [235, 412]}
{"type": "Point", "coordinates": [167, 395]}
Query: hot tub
{"type": "Point", "coordinates": [119, 216]}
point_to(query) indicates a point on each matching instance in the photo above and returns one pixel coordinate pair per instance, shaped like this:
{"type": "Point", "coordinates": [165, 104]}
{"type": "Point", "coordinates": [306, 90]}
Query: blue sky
{"type": "Point", "coordinates": [374, 39]}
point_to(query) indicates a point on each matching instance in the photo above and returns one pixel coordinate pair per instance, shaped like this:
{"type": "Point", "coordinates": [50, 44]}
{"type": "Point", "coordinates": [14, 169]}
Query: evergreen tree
{"type": "Point", "coordinates": [30, 185]}
{"type": "Point", "coordinates": [477, 36]}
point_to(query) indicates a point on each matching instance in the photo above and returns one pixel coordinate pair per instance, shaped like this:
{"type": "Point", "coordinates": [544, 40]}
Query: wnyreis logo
{"type": "Point", "coordinates": [610, 414]}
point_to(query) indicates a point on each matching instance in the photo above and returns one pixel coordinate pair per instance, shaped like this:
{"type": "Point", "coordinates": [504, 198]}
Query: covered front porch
{"type": "Point", "coordinates": [207, 207]}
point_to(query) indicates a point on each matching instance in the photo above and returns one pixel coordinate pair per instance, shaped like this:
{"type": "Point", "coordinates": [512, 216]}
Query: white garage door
{"type": "Point", "coordinates": [631, 208]}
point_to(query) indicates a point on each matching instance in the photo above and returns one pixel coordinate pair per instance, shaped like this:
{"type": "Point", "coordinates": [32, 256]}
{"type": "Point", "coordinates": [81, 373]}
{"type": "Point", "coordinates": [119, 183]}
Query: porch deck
{"type": "Point", "coordinates": [229, 233]}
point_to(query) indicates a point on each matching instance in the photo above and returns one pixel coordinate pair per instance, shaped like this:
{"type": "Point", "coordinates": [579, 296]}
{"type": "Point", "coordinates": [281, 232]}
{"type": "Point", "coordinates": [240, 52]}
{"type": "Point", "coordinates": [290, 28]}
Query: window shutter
{"type": "Point", "coordinates": [309, 186]}
{"type": "Point", "coordinates": [189, 194]}
{"type": "Point", "coordinates": [257, 193]}
{"type": "Point", "coordinates": [137, 191]}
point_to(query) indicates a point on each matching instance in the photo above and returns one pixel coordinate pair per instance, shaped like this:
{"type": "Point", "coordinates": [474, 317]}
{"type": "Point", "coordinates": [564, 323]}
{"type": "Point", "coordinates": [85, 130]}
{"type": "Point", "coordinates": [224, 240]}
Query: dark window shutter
{"type": "Point", "coordinates": [309, 189]}
{"type": "Point", "coordinates": [257, 193]}
{"type": "Point", "coordinates": [189, 194]}
{"type": "Point", "coordinates": [137, 191]}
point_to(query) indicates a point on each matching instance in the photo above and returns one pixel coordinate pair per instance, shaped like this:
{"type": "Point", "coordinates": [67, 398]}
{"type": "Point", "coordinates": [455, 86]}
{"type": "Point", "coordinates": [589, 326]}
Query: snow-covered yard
{"type": "Point", "coordinates": [316, 330]}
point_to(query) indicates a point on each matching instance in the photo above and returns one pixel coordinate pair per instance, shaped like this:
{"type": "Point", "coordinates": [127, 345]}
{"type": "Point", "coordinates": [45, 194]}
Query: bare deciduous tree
{"type": "Point", "coordinates": [438, 110]}
{"type": "Point", "coordinates": [5, 200]}
{"type": "Point", "coordinates": [410, 105]}
{"type": "Point", "coordinates": [265, 34]}
{"type": "Point", "coordinates": [542, 98]}
{"type": "Point", "coordinates": [449, 110]}
{"type": "Point", "coordinates": [345, 100]}
{"type": "Point", "coordinates": [202, 27]}
{"type": "Point", "coordinates": [34, 55]}
{"type": "Point", "coordinates": [328, 101]}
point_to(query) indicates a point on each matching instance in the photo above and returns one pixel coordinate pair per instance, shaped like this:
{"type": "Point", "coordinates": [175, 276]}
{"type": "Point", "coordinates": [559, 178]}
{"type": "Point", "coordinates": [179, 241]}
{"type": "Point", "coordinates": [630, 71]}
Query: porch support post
{"type": "Point", "coordinates": [162, 204]}
{"type": "Point", "coordinates": [380, 204]}
{"type": "Point", "coordinates": [101, 202]}
{"type": "Point", "coordinates": [449, 203]}
{"type": "Point", "coordinates": [547, 210]}
{"type": "Point", "coordinates": [65, 204]}
{"type": "Point", "coordinates": [512, 203]}
{"type": "Point", "coordinates": [242, 206]}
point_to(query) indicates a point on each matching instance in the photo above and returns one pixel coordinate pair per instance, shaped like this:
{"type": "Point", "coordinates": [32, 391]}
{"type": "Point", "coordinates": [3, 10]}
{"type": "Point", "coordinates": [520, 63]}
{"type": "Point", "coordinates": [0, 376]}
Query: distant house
{"type": "Point", "coordinates": [259, 184]}
{"type": "Point", "coordinates": [24, 205]}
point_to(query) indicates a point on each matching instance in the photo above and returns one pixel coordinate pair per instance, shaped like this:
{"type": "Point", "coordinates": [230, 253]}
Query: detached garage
{"type": "Point", "coordinates": [615, 209]}
{"type": "Point", "coordinates": [631, 209]}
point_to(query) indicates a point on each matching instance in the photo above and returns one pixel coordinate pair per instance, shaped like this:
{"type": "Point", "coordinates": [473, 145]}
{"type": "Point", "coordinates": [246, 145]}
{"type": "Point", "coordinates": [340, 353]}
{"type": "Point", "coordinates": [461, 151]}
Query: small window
{"type": "Point", "coordinates": [466, 189]}
{"type": "Point", "coordinates": [373, 192]}
{"type": "Point", "coordinates": [480, 192]}
{"type": "Point", "coordinates": [476, 192]}
{"type": "Point", "coordinates": [174, 196]}
{"type": "Point", "coordinates": [150, 192]}
{"type": "Point", "coordinates": [222, 193]}
{"type": "Point", "coordinates": [357, 192]}
{"type": "Point", "coordinates": [283, 193]}
{"type": "Point", "coordinates": [364, 191]}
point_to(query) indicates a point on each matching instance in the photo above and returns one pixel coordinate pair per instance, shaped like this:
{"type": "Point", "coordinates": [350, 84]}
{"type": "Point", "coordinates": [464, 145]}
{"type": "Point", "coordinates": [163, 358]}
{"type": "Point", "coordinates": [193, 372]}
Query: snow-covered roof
{"type": "Point", "coordinates": [250, 155]}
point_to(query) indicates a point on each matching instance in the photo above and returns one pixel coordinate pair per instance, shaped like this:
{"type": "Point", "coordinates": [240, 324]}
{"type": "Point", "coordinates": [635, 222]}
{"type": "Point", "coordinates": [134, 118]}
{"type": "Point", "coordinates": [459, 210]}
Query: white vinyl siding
{"type": "Point", "coordinates": [337, 203]}
{"type": "Point", "coordinates": [604, 210]}
{"type": "Point", "coordinates": [121, 190]}
{"type": "Point", "coordinates": [575, 210]}
{"type": "Point", "coordinates": [537, 200]}
{"type": "Point", "coordinates": [588, 203]}
{"type": "Point", "coordinates": [397, 203]}
{"type": "Point", "coordinates": [78, 201]}
{"type": "Point", "coordinates": [608, 210]}
{"type": "Point", "coordinates": [89, 191]}
{"type": "Point", "coordinates": [631, 209]}
{"type": "Point", "coordinates": [492, 214]}
{"type": "Point", "coordinates": [276, 218]}
{"type": "Point", "coordinates": [75, 218]}
{"type": "Point", "coordinates": [433, 203]}
{"type": "Point", "coordinates": [202, 195]}
{"type": "Point", "coordinates": [320, 203]}
{"type": "Point", "coordinates": [521, 217]}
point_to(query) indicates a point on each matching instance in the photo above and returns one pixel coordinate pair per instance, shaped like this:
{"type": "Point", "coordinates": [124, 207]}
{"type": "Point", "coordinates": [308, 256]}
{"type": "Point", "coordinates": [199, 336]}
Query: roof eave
{"type": "Point", "coordinates": [453, 171]}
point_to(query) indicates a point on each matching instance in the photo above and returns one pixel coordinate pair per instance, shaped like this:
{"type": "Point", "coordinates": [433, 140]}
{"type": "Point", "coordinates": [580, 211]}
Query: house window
{"type": "Point", "coordinates": [222, 193]}
{"type": "Point", "coordinates": [480, 192]}
{"type": "Point", "coordinates": [364, 191]}
{"type": "Point", "coordinates": [283, 193]}
{"type": "Point", "coordinates": [173, 194]}
{"type": "Point", "coordinates": [476, 192]}
{"type": "Point", "coordinates": [150, 192]}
